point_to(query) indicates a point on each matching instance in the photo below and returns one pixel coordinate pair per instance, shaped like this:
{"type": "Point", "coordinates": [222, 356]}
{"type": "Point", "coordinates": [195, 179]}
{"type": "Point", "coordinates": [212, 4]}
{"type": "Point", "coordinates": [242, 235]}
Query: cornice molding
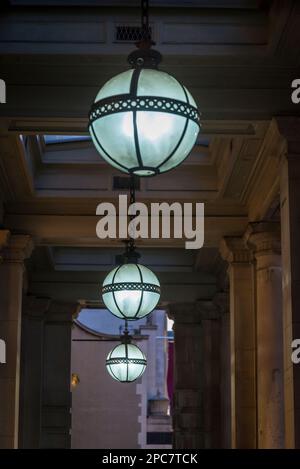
{"type": "Point", "coordinates": [264, 181]}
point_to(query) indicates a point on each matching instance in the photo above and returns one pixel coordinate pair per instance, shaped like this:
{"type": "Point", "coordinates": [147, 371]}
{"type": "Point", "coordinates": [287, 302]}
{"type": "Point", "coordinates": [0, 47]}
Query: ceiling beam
{"type": "Point", "coordinates": [80, 230]}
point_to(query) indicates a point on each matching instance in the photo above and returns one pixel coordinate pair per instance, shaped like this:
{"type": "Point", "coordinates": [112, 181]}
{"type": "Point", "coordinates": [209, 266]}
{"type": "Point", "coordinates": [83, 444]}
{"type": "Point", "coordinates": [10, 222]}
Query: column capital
{"type": "Point", "coordinates": [234, 250]}
{"type": "Point", "coordinates": [52, 310]}
{"type": "Point", "coordinates": [183, 312]}
{"type": "Point", "coordinates": [193, 312]}
{"type": "Point", "coordinates": [18, 249]}
{"type": "Point", "coordinates": [263, 237]}
{"type": "Point", "coordinates": [207, 309]}
{"type": "Point", "coordinates": [4, 238]}
{"type": "Point", "coordinates": [34, 306]}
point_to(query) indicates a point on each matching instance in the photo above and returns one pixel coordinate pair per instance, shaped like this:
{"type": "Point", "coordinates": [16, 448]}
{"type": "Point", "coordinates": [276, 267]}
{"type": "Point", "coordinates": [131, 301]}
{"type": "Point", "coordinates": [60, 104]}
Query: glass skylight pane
{"type": "Point", "coordinates": [51, 139]}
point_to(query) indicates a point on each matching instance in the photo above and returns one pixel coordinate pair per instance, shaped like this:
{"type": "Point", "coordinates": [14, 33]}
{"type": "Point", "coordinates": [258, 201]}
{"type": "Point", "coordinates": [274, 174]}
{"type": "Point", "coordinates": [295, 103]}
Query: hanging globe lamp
{"type": "Point", "coordinates": [144, 121]}
{"type": "Point", "coordinates": [126, 362]}
{"type": "Point", "coordinates": [131, 291]}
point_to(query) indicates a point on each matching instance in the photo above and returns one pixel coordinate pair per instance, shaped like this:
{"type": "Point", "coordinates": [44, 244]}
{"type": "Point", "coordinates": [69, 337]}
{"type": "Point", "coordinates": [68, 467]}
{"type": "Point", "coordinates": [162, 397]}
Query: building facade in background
{"type": "Point", "coordinates": [109, 414]}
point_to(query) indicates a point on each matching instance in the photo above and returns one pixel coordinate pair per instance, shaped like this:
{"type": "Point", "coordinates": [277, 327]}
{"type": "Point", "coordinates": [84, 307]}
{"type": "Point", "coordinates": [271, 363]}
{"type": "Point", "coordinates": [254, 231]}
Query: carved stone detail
{"type": "Point", "coordinates": [19, 248]}
{"type": "Point", "coordinates": [263, 237]}
{"type": "Point", "coordinates": [234, 250]}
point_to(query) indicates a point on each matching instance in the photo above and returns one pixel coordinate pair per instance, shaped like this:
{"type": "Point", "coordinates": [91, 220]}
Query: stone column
{"type": "Point", "coordinates": [56, 393]}
{"type": "Point", "coordinates": [211, 373]}
{"type": "Point", "coordinates": [156, 329]}
{"type": "Point", "coordinates": [45, 373]}
{"type": "Point", "coordinates": [196, 415]}
{"type": "Point", "coordinates": [290, 249]}
{"type": "Point", "coordinates": [221, 301]}
{"type": "Point", "coordinates": [33, 314]}
{"type": "Point", "coordinates": [11, 281]}
{"type": "Point", "coordinates": [242, 342]}
{"type": "Point", "coordinates": [264, 237]}
{"type": "Point", "coordinates": [188, 421]}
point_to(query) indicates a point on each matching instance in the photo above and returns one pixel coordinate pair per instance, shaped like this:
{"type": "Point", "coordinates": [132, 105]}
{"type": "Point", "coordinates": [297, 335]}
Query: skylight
{"type": "Point", "coordinates": [55, 139]}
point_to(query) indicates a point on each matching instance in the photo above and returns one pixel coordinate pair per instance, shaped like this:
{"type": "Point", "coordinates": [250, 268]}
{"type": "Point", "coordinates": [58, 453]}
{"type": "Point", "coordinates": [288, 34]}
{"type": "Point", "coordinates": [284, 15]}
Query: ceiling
{"type": "Point", "coordinates": [136, 3]}
{"type": "Point", "coordinates": [238, 59]}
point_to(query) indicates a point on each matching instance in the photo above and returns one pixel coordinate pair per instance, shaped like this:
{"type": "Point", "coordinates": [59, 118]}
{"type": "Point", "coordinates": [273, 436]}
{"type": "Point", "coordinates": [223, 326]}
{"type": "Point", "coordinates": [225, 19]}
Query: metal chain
{"type": "Point", "coordinates": [146, 34]}
{"type": "Point", "coordinates": [132, 190]}
{"type": "Point", "coordinates": [131, 246]}
{"type": "Point", "coordinates": [126, 327]}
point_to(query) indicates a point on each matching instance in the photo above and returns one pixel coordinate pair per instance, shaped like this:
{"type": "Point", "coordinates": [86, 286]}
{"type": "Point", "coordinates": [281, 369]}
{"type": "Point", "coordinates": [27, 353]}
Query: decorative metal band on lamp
{"type": "Point", "coordinates": [130, 286]}
{"type": "Point", "coordinates": [131, 291]}
{"type": "Point", "coordinates": [126, 362]}
{"type": "Point", "coordinates": [116, 104]}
